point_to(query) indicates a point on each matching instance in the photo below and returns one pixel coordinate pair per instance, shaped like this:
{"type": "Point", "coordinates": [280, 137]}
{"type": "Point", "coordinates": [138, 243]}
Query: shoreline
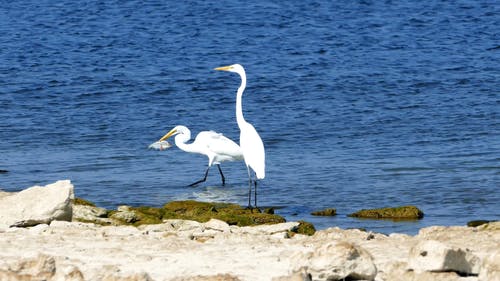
{"type": "Point", "coordinates": [41, 239]}
{"type": "Point", "coordinates": [177, 249]}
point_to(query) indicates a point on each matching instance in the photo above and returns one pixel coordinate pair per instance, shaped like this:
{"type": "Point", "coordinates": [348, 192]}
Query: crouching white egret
{"type": "Point", "coordinates": [214, 145]}
{"type": "Point", "coordinates": [250, 141]}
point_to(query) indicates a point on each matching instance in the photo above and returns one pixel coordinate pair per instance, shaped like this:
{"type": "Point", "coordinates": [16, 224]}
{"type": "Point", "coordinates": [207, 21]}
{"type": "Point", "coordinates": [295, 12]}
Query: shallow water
{"type": "Point", "coordinates": [361, 104]}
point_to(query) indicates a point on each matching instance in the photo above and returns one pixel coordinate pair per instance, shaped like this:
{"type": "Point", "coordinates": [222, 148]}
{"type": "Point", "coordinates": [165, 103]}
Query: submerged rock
{"type": "Point", "coordinates": [475, 223]}
{"type": "Point", "coordinates": [403, 213]}
{"type": "Point", "coordinates": [326, 212]}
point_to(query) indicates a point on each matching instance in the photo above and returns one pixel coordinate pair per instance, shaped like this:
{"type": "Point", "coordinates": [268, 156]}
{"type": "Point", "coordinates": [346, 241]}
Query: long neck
{"type": "Point", "coordinates": [181, 142]}
{"type": "Point", "coordinates": [239, 110]}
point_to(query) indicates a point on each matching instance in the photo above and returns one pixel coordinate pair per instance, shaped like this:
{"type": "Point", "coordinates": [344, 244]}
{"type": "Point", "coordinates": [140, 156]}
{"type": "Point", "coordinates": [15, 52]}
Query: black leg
{"type": "Point", "coordinates": [203, 179]}
{"type": "Point", "coordinates": [221, 175]}
{"type": "Point", "coordinates": [255, 192]}
{"type": "Point", "coordinates": [249, 188]}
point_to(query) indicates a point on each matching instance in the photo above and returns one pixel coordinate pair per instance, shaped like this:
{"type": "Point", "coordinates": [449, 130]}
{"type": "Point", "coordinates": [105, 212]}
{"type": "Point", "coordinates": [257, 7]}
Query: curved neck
{"type": "Point", "coordinates": [181, 142]}
{"type": "Point", "coordinates": [239, 110]}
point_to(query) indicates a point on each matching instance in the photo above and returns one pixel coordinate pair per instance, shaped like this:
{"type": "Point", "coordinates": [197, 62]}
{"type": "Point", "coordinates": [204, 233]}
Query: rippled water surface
{"type": "Point", "coordinates": [361, 104]}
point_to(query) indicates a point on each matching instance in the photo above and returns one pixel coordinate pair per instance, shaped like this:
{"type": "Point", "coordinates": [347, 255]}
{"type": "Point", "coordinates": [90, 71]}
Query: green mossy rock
{"type": "Point", "coordinates": [326, 212]}
{"type": "Point", "coordinates": [233, 214]}
{"type": "Point", "coordinates": [80, 201]}
{"type": "Point", "coordinates": [477, 223]}
{"type": "Point", "coordinates": [305, 228]}
{"type": "Point", "coordinates": [398, 213]}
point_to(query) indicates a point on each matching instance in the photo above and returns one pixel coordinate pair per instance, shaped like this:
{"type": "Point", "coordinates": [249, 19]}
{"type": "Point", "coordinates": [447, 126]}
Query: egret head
{"type": "Point", "coordinates": [232, 68]}
{"type": "Point", "coordinates": [177, 130]}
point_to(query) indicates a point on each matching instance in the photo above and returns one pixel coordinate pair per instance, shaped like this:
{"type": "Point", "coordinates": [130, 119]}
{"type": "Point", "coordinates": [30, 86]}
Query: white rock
{"type": "Point", "coordinates": [42, 267]}
{"type": "Point", "coordinates": [216, 224]}
{"type": "Point", "coordinates": [435, 256]}
{"type": "Point", "coordinates": [336, 261]}
{"type": "Point", "coordinates": [38, 204]}
{"type": "Point", "coordinates": [161, 227]}
{"type": "Point", "coordinates": [269, 228]}
{"type": "Point", "coordinates": [185, 225]}
{"type": "Point", "coordinates": [37, 229]}
{"type": "Point", "coordinates": [490, 268]}
{"type": "Point", "coordinates": [88, 213]}
{"type": "Point", "coordinates": [123, 230]}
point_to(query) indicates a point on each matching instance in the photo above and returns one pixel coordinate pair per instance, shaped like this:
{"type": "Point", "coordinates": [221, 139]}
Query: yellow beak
{"type": "Point", "coordinates": [224, 68]}
{"type": "Point", "coordinates": [169, 134]}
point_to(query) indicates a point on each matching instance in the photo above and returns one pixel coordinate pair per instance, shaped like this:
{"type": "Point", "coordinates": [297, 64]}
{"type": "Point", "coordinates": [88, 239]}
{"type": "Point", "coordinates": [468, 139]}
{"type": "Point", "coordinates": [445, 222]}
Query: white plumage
{"type": "Point", "coordinates": [215, 146]}
{"type": "Point", "coordinates": [250, 141]}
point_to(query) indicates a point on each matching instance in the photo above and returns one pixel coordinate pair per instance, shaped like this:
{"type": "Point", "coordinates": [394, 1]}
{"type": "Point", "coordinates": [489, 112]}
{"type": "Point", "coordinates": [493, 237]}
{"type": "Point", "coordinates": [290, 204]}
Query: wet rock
{"type": "Point", "coordinates": [38, 204]}
{"type": "Point", "coordinates": [336, 261]}
{"type": "Point", "coordinates": [402, 213]}
{"type": "Point", "coordinates": [326, 212]}
{"type": "Point", "coordinates": [81, 201]}
{"type": "Point", "coordinates": [435, 256]}
{"type": "Point", "coordinates": [232, 214]}
{"type": "Point", "coordinates": [305, 228]}
{"type": "Point", "coordinates": [477, 223]}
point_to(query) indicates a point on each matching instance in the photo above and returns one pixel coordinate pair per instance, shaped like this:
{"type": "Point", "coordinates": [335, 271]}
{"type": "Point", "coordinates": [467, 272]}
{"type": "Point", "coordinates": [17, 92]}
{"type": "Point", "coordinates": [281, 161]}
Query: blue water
{"type": "Point", "coordinates": [360, 104]}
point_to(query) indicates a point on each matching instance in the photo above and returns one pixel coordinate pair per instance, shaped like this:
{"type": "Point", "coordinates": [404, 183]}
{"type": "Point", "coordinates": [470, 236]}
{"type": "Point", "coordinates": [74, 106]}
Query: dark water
{"type": "Point", "coordinates": [361, 104]}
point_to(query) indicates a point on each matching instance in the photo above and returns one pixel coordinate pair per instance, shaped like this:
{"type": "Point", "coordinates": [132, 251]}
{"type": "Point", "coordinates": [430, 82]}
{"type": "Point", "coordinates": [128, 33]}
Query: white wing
{"type": "Point", "coordinates": [224, 148]}
{"type": "Point", "coordinates": [253, 150]}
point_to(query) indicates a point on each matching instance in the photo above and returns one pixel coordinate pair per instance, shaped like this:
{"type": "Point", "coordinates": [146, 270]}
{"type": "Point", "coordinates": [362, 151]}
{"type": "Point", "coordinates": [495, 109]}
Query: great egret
{"type": "Point", "coordinates": [214, 145]}
{"type": "Point", "coordinates": [250, 141]}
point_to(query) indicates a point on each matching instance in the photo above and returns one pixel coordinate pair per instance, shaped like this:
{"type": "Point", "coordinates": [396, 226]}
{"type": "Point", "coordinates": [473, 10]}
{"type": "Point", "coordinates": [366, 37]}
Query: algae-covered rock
{"type": "Point", "coordinates": [326, 212]}
{"type": "Point", "coordinates": [475, 223]}
{"type": "Point", "coordinates": [232, 214]}
{"type": "Point", "coordinates": [81, 201]}
{"type": "Point", "coordinates": [305, 228]}
{"type": "Point", "coordinates": [404, 213]}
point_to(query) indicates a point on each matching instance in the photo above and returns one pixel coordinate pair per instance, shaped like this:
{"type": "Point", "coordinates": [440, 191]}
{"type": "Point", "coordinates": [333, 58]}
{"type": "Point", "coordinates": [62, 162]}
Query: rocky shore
{"type": "Point", "coordinates": [41, 240]}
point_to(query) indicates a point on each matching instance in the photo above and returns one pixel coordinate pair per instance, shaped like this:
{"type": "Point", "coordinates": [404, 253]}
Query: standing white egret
{"type": "Point", "coordinates": [250, 141]}
{"type": "Point", "coordinates": [214, 145]}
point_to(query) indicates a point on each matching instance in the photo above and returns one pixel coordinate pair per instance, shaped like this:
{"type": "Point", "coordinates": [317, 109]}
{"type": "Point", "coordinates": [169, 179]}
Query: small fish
{"type": "Point", "coordinates": [160, 145]}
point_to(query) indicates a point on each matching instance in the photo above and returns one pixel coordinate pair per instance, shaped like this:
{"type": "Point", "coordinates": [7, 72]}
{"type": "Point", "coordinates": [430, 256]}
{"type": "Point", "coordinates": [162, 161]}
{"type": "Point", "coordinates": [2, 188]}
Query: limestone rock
{"type": "Point", "coordinates": [88, 213]}
{"type": "Point", "coordinates": [41, 267]}
{"type": "Point", "coordinates": [435, 256]}
{"type": "Point", "coordinates": [490, 269]}
{"type": "Point", "coordinates": [296, 276]}
{"type": "Point", "coordinates": [269, 228]}
{"type": "Point", "coordinates": [132, 277]}
{"type": "Point", "coordinates": [218, 225]}
{"type": "Point", "coordinates": [494, 225]}
{"type": "Point", "coordinates": [218, 277]}
{"type": "Point", "coordinates": [38, 204]}
{"type": "Point", "coordinates": [336, 261]}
